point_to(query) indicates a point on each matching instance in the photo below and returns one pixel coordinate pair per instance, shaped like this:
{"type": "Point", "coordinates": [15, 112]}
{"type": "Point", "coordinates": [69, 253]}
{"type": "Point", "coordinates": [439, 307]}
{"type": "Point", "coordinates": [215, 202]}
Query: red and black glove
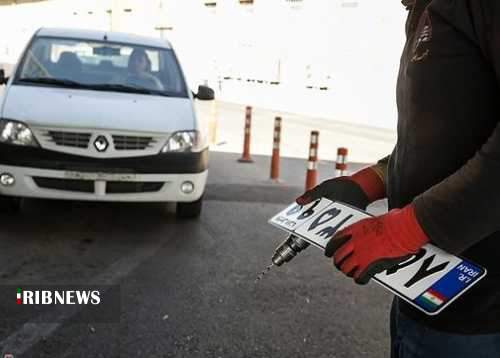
{"type": "Point", "coordinates": [376, 244]}
{"type": "Point", "coordinates": [359, 189]}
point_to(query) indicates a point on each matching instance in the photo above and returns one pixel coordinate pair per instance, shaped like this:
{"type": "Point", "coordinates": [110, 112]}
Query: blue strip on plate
{"type": "Point", "coordinates": [451, 284]}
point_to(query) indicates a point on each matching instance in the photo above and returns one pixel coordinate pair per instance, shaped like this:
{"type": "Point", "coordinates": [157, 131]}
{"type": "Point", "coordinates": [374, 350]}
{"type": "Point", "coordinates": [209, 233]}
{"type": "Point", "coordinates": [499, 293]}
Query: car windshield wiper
{"type": "Point", "coordinates": [53, 81]}
{"type": "Point", "coordinates": [96, 86]}
{"type": "Point", "coordinates": [123, 88]}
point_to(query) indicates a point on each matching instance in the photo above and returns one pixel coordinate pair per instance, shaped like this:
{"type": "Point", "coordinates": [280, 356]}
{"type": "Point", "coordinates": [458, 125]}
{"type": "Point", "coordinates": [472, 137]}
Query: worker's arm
{"type": "Point", "coordinates": [465, 207]}
{"type": "Point", "coordinates": [456, 213]}
{"type": "Point", "coordinates": [373, 245]}
{"type": "Point", "coordinates": [359, 189]}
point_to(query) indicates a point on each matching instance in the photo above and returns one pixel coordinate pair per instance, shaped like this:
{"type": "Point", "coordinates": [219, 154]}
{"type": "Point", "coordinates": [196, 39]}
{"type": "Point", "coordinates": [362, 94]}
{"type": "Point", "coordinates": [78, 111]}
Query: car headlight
{"type": "Point", "coordinates": [17, 133]}
{"type": "Point", "coordinates": [185, 141]}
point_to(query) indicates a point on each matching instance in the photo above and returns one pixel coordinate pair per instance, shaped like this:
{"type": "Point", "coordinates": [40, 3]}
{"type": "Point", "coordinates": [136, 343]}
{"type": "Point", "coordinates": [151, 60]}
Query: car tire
{"type": "Point", "coordinates": [10, 204]}
{"type": "Point", "coordinates": [189, 210]}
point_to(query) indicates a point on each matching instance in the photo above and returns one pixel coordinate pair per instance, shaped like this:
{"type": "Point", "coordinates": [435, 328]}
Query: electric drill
{"type": "Point", "coordinates": [288, 249]}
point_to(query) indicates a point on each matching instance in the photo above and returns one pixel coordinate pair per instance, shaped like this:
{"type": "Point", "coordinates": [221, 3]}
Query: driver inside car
{"type": "Point", "coordinates": [139, 71]}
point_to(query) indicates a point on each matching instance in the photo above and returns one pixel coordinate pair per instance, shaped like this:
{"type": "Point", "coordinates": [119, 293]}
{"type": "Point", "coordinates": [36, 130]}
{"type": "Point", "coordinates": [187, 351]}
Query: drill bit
{"type": "Point", "coordinates": [263, 273]}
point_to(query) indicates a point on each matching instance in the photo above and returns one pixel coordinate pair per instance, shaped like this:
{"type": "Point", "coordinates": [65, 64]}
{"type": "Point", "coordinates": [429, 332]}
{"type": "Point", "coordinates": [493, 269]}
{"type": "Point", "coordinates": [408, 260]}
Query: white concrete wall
{"type": "Point", "coordinates": [354, 51]}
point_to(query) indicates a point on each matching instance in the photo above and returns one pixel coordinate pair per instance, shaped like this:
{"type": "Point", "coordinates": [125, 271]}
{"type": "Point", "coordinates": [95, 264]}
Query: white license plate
{"type": "Point", "coordinates": [430, 280]}
{"type": "Point", "coordinates": [99, 176]}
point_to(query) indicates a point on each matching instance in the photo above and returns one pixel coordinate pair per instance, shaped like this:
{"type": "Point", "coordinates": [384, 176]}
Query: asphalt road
{"type": "Point", "coordinates": [187, 287]}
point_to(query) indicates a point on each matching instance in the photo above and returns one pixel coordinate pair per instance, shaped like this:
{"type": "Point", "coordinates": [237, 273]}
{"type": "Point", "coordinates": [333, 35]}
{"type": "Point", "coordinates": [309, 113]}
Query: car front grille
{"type": "Point", "coordinates": [87, 186]}
{"type": "Point", "coordinates": [68, 139]}
{"type": "Point", "coordinates": [84, 186]}
{"type": "Point", "coordinates": [123, 142]}
{"type": "Point", "coordinates": [123, 187]}
{"type": "Point", "coordinates": [80, 141]}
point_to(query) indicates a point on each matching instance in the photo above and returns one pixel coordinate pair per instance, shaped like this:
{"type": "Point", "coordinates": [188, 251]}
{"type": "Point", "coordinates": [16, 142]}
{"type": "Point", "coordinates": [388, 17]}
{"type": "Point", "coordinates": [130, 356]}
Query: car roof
{"type": "Point", "coordinates": [110, 36]}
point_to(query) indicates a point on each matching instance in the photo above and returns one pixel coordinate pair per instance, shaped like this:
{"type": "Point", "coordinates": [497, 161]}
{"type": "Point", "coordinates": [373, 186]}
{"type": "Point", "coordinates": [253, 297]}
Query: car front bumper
{"type": "Point", "coordinates": [166, 163]}
{"type": "Point", "coordinates": [42, 173]}
{"type": "Point", "coordinates": [101, 186]}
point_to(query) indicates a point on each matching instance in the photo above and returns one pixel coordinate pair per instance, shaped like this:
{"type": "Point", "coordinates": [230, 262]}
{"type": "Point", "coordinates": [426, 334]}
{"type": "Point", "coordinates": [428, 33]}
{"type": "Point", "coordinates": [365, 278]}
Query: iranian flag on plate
{"type": "Point", "coordinates": [433, 298]}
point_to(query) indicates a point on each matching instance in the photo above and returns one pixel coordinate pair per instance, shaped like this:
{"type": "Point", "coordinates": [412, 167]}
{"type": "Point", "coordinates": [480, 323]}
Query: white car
{"type": "Point", "coordinates": [101, 116]}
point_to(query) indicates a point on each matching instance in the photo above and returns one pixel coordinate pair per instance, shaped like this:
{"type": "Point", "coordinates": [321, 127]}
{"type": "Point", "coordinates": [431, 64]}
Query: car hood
{"type": "Point", "coordinates": [62, 107]}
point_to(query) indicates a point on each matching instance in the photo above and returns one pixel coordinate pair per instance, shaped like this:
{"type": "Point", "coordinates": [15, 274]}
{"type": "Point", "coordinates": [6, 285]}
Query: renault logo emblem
{"type": "Point", "coordinates": [101, 143]}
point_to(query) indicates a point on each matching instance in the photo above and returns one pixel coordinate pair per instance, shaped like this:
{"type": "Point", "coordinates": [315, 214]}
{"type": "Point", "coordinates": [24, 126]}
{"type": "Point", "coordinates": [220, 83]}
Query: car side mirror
{"type": "Point", "coordinates": [3, 79]}
{"type": "Point", "coordinates": [205, 93]}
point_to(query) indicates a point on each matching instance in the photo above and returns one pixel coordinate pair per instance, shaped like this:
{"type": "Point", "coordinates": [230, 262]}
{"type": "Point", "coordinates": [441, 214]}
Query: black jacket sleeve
{"type": "Point", "coordinates": [465, 207]}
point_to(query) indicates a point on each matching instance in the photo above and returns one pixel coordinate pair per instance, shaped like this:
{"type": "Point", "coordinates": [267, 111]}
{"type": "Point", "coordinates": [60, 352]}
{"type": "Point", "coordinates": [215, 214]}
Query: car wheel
{"type": "Point", "coordinates": [189, 210]}
{"type": "Point", "coordinates": [10, 204]}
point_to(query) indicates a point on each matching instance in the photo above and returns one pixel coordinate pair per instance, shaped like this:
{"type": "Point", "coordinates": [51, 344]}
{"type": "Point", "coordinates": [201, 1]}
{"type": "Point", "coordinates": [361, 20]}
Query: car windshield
{"type": "Point", "coordinates": [104, 66]}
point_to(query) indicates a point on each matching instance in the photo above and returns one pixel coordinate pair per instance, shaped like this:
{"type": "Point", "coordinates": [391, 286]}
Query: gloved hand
{"type": "Point", "coordinates": [376, 244]}
{"type": "Point", "coordinates": [359, 189]}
